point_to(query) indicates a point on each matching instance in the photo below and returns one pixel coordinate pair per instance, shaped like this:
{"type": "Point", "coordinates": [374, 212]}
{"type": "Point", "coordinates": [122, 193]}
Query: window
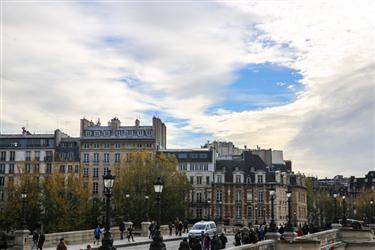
{"type": "Point", "coordinates": [86, 145]}
{"type": "Point", "coordinates": [85, 172]}
{"type": "Point", "coordinates": [87, 133]}
{"type": "Point", "coordinates": [260, 178]}
{"type": "Point", "coordinates": [238, 178]}
{"type": "Point", "coordinates": [96, 173]}
{"type": "Point", "coordinates": [219, 179]}
{"type": "Point", "coordinates": [117, 145]}
{"type": "Point", "coordinates": [199, 197]}
{"type": "Point", "coordinates": [205, 167]}
{"type": "Point", "coordinates": [3, 155]}
{"type": "Point", "coordinates": [191, 180]}
{"type": "Point", "coordinates": [203, 156]}
{"type": "Point", "coordinates": [106, 145]}
{"type": "Point", "coordinates": [2, 168]}
{"type": "Point", "coordinates": [260, 196]}
{"type": "Point", "coordinates": [62, 169]}
{"type": "Point", "coordinates": [11, 168]}
{"type": "Point", "coordinates": [238, 196]}
{"type": "Point", "coordinates": [194, 155]}
{"type": "Point", "coordinates": [207, 180]}
{"type": "Point", "coordinates": [219, 196]}
{"type": "Point", "coordinates": [85, 157]}
{"type": "Point", "coordinates": [37, 155]}
{"type": "Point", "coordinates": [49, 156]}
{"type": "Point", "coordinates": [2, 181]}
{"type": "Point", "coordinates": [70, 169]}
{"type": "Point", "coordinates": [199, 180]}
{"type": "Point", "coordinates": [238, 212]}
{"type": "Point", "coordinates": [191, 166]}
{"type": "Point", "coordinates": [28, 168]}
{"type": "Point", "coordinates": [76, 169]}
{"type": "Point", "coordinates": [249, 212]}
{"type": "Point", "coordinates": [96, 157]}
{"type": "Point", "coordinates": [199, 212]}
{"type": "Point", "coordinates": [97, 133]}
{"type": "Point", "coordinates": [107, 133]}
{"type": "Point", "coordinates": [12, 156]}
{"type": "Point", "coordinates": [117, 157]}
{"type": "Point", "coordinates": [182, 156]}
{"type": "Point", "coordinates": [105, 171]}
{"type": "Point", "coordinates": [96, 145]}
{"type": "Point", "coordinates": [95, 188]}
{"type": "Point", "coordinates": [49, 168]}
{"type": "Point", "coordinates": [28, 156]}
{"type": "Point", "coordinates": [249, 196]}
{"type": "Point", "coordinates": [106, 157]}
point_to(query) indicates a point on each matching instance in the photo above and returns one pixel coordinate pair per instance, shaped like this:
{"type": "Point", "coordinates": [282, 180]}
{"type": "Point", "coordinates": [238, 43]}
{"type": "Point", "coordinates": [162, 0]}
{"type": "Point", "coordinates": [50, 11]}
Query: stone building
{"type": "Point", "coordinates": [224, 150]}
{"type": "Point", "coordinates": [30, 153]}
{"type": "Point", "coordinates": [241, 188]}
{"type": "Point", "coordinates": [102, 147]}
{"type": "Point", "coordinates": [199, 166]}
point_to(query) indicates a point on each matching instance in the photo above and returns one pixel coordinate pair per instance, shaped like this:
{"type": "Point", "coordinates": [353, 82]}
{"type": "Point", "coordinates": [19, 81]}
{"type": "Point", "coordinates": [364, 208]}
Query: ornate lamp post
{"type": "Point", "coordinates": [157, 241]}
{"type": "Point", "coordinates": [127, 198]}
{"type": "Point", "coordinates": [288, 227]}
{"type": "Point", "coordinates": [335, 220]}
{"type": "Point", "coordinates": [108, 180]}
{"type": "Point", "coordinates": [146, 206]}
{"type": "Point", "coordinates": [343, 211]}
{"type": "Point", "coordinates": [273, 227]}
{"type": "Point", "coordinates": [256, 215]}
{"type": "Point", "coordinates": [23, 197]}
{"type": "Point", "coordinates": [221, 211]}
{"type": "Point", "coordinates": [209, 208]}
{"type": "Point", "coordinates": [371, 211]}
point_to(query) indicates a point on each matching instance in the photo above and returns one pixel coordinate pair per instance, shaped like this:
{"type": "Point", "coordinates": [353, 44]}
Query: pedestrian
{"type": "Point", "coordinates": [97, 233]}
{"type": "Point", "coordinates": [151, 229]}
{"type": "Point", "coordinates": [281, 229]}
{"type": "Point", "coordinates": [35, 240]}
{"type": "Point", "coordinates": [237, 239]}
{"type": "Point", "coordinates": [246, 239]}
{"type": "Point", "coordinates": [305, 229]}
{"type": "Point", "coordinates": [299, 231]}
{"type": "Point", "coordinates": [215, 242]}
{"type": "Point", "coordinates": [223, 240]}
{"type": "Point", "coordinates": [180, 228]}
{"type": "Point", "coordinates": [195, 243]}
{"type": "Point", "coordinates": [253, 236]}
{"type": "Point", "coordinates": [4, 243]}
{"type": "Point", "coordinates": [130, 233]}
{"type": "Point", "coordinates": [206, 242]}
{"type": "Point", "coordinates": [42, 239]}
{"type": "Point", "coordinates": [186, 226]}
{"type": "Point", "coordinates": [122, 229]}
{"type": "Point", "coordinates": [184, 245]}
{"type": "Point", "coordinates": [170, 228]}
{"type": "Point", "coordinates": [61, 245]}
{"type": "Point", "coordinates": [176, 223]}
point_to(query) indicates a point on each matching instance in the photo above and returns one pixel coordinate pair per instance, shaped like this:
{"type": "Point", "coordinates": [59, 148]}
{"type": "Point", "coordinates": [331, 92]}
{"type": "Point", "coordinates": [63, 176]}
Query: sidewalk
{"type": "Point", "coordinates": [138, 240]}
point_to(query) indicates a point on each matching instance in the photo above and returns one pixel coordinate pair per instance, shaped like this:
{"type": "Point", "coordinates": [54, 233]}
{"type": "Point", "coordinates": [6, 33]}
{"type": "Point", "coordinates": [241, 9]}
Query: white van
{"type": "Point", "coordinates": [203, 226]}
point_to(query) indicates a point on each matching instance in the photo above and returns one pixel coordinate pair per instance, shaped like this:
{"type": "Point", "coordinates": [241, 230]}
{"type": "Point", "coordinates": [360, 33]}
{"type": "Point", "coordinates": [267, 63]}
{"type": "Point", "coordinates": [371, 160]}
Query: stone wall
{"type": "Point", "coordinates": [262, 245]}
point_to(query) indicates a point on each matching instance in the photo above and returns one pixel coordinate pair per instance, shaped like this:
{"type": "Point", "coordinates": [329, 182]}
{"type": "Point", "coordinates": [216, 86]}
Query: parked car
{"type": "Point", "coordinates": [203, 226]}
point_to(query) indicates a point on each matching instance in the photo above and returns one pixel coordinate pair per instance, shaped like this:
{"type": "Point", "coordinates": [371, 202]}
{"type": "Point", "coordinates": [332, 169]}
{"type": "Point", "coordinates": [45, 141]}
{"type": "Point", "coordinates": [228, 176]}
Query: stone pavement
{"type": "Point", "coordinates": [138, 240]}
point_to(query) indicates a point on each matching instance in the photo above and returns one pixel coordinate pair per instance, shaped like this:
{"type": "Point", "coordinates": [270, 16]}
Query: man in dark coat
{"type": "Point", "coordinates": [184, 245]}
{"type": "Point", "coordinates": [41, 240]}
{"type": "Point", "coordinates": [237, 239]}
{"type": "Point", "coordinates": [223, 240]}
{"type": "Point", "coordinates": [122, 229]}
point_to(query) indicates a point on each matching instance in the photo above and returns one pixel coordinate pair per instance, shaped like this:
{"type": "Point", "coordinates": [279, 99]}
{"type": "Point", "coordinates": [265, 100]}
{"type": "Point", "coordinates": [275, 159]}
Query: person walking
{"type": "Point", "coordinates": [97, 233]}
{"type": "Point", "coordinates": [206, 242]}
{"type": "Point", "coordinates": [42, 239]}
{"type": "Point", "coordinates": [61, 245]}
{"type": "Point", "coordinates": [130, 233]}
{"type": "Point", "coordinates": [184, 245]}
{"type": "Point", "coordinates": [151, 229]}
{"type": "Point", "coordinates": [122, 229]}
{"type": "Point", "coordinates": [223, 240]}
{"type": "Point", "coordinates": [237, 239]}
{"type": "Point", "coordinates": [170, 225]}
{"type": "Point", "coordinates": [35, 240]}
{"type": "Point", "coordinates": [180, 228]}
{"type": "Point", "coordinates": [186, 226]}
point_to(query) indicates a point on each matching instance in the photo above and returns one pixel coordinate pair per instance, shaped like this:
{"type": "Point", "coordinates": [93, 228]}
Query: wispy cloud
{"type": "Point", "coordinates": [62, 61]}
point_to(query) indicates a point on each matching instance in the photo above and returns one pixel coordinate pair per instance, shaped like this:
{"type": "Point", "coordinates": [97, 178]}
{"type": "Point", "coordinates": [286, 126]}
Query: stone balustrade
{"type": "Point", "coordinates": [261, 245]}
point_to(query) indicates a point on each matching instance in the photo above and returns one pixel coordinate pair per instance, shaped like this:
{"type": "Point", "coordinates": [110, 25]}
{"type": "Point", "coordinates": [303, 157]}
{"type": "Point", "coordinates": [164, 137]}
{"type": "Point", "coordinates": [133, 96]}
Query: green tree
{"type": "Point", "coordinates": [135, 176]}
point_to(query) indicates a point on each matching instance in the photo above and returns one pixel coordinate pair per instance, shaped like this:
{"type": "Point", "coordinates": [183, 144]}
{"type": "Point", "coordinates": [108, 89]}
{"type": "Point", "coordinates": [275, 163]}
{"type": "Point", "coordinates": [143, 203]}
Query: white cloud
{"type": "Point", "coordinates": [63, 61]}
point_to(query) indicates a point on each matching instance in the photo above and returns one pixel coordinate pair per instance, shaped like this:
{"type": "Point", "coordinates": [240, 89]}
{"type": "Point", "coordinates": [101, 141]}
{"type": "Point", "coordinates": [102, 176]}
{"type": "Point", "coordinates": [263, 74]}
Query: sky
{"type": "Point", "coordinates": [291, 75]}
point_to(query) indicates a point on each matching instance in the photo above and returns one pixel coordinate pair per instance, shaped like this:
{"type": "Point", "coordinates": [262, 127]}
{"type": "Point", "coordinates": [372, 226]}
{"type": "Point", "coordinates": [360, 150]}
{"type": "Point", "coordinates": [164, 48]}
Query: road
{"type": "Point", "coordinates": [171, 245]}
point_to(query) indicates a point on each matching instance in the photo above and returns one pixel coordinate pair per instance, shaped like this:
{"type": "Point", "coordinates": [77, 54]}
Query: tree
{"type": "Point", "coordinates": [135, 176]}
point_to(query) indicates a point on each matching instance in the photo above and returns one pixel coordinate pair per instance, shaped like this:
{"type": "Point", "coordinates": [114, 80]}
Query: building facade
{"type": "Point", "coordinates": [199, 166]}
{"type": "Point", "coordinates": [102, 147]}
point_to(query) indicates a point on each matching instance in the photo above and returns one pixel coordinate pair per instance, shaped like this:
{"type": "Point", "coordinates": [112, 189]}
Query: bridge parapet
{"type": "Point", "coordinates": [326, 238]}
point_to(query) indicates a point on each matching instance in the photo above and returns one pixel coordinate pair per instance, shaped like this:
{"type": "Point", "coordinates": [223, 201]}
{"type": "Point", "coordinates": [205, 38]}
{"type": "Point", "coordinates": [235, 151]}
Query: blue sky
{"type": "Point", "coordinates": [255, 73]}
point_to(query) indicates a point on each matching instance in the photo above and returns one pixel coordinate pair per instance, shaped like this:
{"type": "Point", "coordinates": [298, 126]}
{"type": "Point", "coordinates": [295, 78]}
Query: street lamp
{"type": "Point", "coordinates": [273, 227]}
{"type": "Point", "coordinates": [256, 215]}
{"type": "Point", "coordinates": [146, 206]}
{"type": "Point", "coordinates": [209, 208]}
{"type": "Point", "coordinates": [23, 197]}
{"type": "Point", "coordinates": [157, 241]}
{"type": "Point", "coordinates": [288, 227]}
{"type": "Point", "coordinates": [108, 180]}
{"type": "Point", "coordinates": [127, 198]}
{"type": "Point", "coordinates": [335, 220]}
{"type": "Point", "coordinates": [343, 211]}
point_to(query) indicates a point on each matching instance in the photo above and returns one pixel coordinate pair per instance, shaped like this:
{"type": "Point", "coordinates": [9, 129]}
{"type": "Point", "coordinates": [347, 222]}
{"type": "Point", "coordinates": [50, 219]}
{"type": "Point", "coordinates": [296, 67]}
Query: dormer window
{"type": "Point", "coordinates": [219, 179]}
{"type": "Point", "coordinates": [259, 178]}
{"type": "Point", "coordinates": [238, 178]}
{"type": "Point", "coordinates": [248, 180]}
{"type": "Point", "coordinates": [97, 133]}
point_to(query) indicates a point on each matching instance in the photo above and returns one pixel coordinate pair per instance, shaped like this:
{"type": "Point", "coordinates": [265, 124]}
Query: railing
{"type": "Point", "coordinates": [326, 238]}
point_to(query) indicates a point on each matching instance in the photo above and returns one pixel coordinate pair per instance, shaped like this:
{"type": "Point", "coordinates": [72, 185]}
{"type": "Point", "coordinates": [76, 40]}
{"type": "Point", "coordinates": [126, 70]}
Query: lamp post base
{"type": "Point", "coordinates": [107, 242]}
{"type": "Point", "coordinates": [157, 242]}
